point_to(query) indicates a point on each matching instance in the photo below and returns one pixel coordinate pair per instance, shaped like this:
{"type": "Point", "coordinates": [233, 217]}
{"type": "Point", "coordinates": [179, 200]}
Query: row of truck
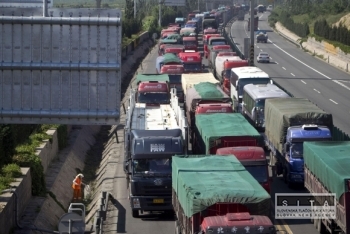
{"type": "Point", "coordinates": [195, 144]}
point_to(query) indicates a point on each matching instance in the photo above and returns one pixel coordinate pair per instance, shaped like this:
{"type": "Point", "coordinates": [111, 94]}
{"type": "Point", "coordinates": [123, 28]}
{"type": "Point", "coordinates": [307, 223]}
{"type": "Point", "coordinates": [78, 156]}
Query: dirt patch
{"type": "Point", "coordinates": [345, 21]}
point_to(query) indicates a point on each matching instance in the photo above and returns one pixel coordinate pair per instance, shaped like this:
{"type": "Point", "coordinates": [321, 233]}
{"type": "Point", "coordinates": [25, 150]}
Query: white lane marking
{"type": "Point", "coordinates": [341, 84]}
{"type": "Point", "coordinates": [333, 101]}
{"type": "Point", "coordinates": [284, 68]}
{"type": "Point", "coordinates": [292, 74]}
{"type": "Point", "coordinates": [317, 91]}
{"type": "Point", "coordinates": [276, 62]}
{"type": "Point", "coordinates": [301, 62]}
{"type": "Point", "coordinates": [303, 81]}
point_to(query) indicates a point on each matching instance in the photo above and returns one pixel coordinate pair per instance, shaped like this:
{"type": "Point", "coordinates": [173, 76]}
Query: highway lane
{"type": "Point", "coordinates": [301, 73]}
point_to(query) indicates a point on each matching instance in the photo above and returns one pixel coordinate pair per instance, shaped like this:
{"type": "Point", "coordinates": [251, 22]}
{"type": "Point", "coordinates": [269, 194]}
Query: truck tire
{"type": "Point", "coordinates": [135, 213]}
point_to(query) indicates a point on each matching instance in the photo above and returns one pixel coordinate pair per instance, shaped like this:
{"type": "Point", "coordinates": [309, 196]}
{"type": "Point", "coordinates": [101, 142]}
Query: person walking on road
{"type": "Point", "coordinates": [77, 182]}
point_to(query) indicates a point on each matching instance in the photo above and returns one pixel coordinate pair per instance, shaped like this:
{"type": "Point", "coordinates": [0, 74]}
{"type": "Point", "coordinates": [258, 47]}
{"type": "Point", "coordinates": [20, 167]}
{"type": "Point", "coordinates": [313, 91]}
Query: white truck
{"type": "Point", "coordinates": [189, 80]}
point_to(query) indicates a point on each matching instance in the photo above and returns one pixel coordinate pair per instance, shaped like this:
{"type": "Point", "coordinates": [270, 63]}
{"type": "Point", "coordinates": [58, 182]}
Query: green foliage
{"type": "Point", "coordinates": [301, 29]}
{"type": "Point", "coordinates": [11, 170]}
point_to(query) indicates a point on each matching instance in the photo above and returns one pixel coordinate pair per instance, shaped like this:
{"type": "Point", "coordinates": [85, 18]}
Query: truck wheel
{"type": "Point", "coordinates": [135, 213]}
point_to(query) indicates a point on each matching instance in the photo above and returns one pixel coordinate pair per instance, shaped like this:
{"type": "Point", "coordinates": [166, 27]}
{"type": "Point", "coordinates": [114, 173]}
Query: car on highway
{"type": "Point", "coordinates": [263, 57]}
{"type": "Point", "coordinates": [269, 8]}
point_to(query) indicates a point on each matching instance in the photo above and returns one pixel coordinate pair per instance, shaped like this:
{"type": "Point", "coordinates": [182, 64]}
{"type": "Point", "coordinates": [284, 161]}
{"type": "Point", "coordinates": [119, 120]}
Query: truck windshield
{"type": "Point", "coordinates": [296, 150]}
{"type": "Point", "coordinates": [259, 172]}
{"type": "Point", "coordinates": [190, 43]}
{"type": "Point", "coordinates": [192, 66]}
{"type": "Point", "coordinates": [244, 81]}
{"type": "Point", "coordinates": [153, 98]}
{"type": "Point", "coordinates": [218, 43]}
{"type": "Point", "coordinates": [152, 166]}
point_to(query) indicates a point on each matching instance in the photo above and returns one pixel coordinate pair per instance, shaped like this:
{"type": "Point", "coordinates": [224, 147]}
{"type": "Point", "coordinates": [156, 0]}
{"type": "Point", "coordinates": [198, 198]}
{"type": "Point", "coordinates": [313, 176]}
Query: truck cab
{"type": "Point", "coordinates": [192, 61]}
{"type": "Point", "coordinates": [153, 92]}
{"type": "Point", "coordinates": [206, 41]}
{"type": "Point", "coordinates": [293, 149]}
{"type": "Point", "coordinates": [175, 72]}
{"type": "Point", "coordinates": [190, 43]}
{"type": "Point", "coordinates": [148, 167]}
{"type": "Point", "coordinates": [253, 158]}
{"type": "Point", "coordinates": [214, 50]}
{"type": "Point", "coordinates": [173, 49]}
{"type": "Point", "coordinates": [213, 41]}
{"type": "Point", "coordinates": [210, 31]}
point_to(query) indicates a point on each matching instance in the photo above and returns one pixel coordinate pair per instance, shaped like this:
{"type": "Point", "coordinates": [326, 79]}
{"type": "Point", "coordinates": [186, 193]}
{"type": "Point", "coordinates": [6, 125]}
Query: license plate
{"type": "Point", "coordinates": [158, 200]}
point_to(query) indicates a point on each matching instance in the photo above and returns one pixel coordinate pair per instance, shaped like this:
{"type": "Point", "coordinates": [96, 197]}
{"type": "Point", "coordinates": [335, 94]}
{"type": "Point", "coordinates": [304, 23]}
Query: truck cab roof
{"type": "Point", "coordinates": [240, 222]}
{"type": "Point", "coordinates": [309, 132]}
{"type": "Point", "coordinates": [153, 86]}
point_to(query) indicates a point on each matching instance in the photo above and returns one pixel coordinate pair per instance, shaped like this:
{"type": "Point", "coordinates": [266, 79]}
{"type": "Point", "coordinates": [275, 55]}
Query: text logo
{"type": "Point", "coordinates": [157, 147]}
{"type": "Point", "coordinates": [305, 206]}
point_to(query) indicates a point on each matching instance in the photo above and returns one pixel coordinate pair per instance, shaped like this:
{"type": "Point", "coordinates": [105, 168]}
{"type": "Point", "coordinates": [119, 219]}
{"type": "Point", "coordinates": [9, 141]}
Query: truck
{"type": "Point", "coordinates": [153, 92]}
{"type": "Point", "coordinates": [190, 43]}
{"type": "Point", "coordinates": [288, 123]}
{"type": "Point", "coordinates": [214, 41]}
{"type": "Point", "coordinates": [203, 93]}
{"type": "Point", "coordinates": [210, 31]}
{"type": "Point", "coordinates": [210, 22]}
{"type": "Point", "coordinates": [219, 130]}
{"type": "Point", "coordinates": [253, 104]}
{"type": "Point", "coordinates": [167, 59]}
{"type": "Point", "coordinates": [256, 23]}
{"type": "Point", "coordinates": [189, 80]}
{"type": "Point", "coordinates": [326, 170]}
{"type": "Point", "coordinates": [224, 64]}
{"type": "Point", "coordinates": [206, 38]}
{"type": "Point", "coordinates": [215, 194]}
{"type": "Point", "coordinates": [261, 37]}
{"type": "Point", "coordinates": [213, 51]}
{"type": "Point", "coordinates": [192, 61]}
{"type": "Point", "coordinates": [254, 160]}
{"type": "Point", "coordinates": [174, 73]}
{"type": "Point", "coordinates": [153, 134]}
{"type": "Point", "coordinates": [181, 21]}
{"type": "Point", "coordinates": [174, 49]}
{"type": "Point", "coordinates": [165, 42]}
{"type": "Point", "coordinates": [240, 15]}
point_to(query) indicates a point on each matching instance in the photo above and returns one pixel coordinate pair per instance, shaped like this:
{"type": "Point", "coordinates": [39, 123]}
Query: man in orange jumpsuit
{"type": "Point", "coordinates": [77, 182]}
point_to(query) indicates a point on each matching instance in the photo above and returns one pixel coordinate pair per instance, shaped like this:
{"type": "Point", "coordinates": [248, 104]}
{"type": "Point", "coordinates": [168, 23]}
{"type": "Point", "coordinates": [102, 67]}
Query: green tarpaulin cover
{"type": "Point", "coordinates": [204, 180]}
{"type": "Point", "coordinates": [151, 77]}
{"type": "Point", "coordinates": [217, 125]}
{"type": "Point", "coordinates": [208, 90]}
{"type": "Point", "coordinates": [282, 113]}
{"type": "Point", "coordinates": [329, 162]}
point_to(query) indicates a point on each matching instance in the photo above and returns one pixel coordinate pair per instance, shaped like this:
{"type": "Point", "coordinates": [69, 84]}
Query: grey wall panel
{"type": "Point", "coordinates": [64, 68]}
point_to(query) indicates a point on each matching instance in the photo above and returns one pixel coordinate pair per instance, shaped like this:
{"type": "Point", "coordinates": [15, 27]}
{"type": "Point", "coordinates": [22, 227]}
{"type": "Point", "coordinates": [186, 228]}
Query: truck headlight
{"type": "Point", "coordinates": [136, 203]}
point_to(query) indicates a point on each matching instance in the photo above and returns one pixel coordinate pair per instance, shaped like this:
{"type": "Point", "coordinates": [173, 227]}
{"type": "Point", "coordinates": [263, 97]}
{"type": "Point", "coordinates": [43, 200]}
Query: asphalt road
{"type": "Point", "coordinates": [300, 73]}
{"type": "Point", "coordinates": [304, 76]}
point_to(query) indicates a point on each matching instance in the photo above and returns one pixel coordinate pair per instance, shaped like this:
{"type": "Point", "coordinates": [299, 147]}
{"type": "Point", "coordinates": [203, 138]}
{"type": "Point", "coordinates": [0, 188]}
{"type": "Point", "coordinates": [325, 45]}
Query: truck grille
{"type": "Point", "coordinates": [164, 190]}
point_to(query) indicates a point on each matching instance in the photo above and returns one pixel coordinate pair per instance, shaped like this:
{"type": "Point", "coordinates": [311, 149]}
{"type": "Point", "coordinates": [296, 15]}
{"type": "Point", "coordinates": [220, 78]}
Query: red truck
{"type": "Point", "coordinates": [190, 43]}
{"type": "Point", "coordinates": [153, 89]}
{"type": "Point", "coordinates": [206, 41]}
{"type": "Point", "coordinates": [192, 61]}
{"type": "Point", "coordinates": [213, 51]}
{"type": "Point", "coordinates": [210, 31]}
{"type": "Point", "coordinates": [254, 160]}
{"type": "Point", "coordinates": [213, 108]}
{"type": "Point", "coordinates": [215, 194]}
{"type": "Point", "coordinates": [190, 16]}
{"type": "Point", "coordinates": [214, 41]}
{"type": "Point", "coordinates": [203, 93]}
{"type": "Point", "coordinates": [174, 49]}
{"type": "Point", "coordinates": [326, 170]}
{"type": "Point", "coordinates": [174, 72]}
{"type": "Point", "coordinates": [220, 130]}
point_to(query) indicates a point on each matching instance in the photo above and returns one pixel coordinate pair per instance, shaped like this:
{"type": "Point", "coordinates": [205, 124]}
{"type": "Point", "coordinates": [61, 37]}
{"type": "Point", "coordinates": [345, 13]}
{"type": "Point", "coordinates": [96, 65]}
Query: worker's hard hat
{"type": "Point", "coordinates": [81, 175]}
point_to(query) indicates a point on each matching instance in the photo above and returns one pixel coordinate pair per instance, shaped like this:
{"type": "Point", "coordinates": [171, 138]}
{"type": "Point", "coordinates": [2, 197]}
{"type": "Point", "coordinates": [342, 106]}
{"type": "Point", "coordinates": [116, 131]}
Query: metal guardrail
{"type": "Point", "coordinates": [101, 213]}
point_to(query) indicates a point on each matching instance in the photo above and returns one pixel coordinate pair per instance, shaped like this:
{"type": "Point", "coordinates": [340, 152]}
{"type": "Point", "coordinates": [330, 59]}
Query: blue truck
{"type": "Point", "coordinates": [288, 123]}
